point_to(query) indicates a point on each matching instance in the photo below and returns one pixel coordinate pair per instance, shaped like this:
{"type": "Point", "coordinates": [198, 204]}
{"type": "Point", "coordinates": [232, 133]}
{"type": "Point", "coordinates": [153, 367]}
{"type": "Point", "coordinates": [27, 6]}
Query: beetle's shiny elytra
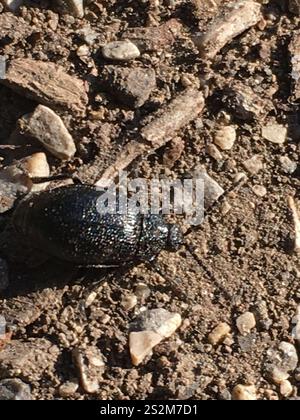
{"type": "Point", "coordinates": [66, 224]}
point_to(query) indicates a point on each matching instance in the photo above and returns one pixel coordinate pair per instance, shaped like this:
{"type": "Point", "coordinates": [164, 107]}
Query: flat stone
{"type": "Point", "coordinates": [47, 127]}
{"type": "Point", "coordinates": [245, 323]}
{"type": "Point", "coordinates": [47, 84]}
{"type": "Point", "coordinates": [148, 330]}
{"type": "Point", "coordinates": [275, 133]}
{"type": "Point", "coordinates": [219, 334]}
{"type": "Point", "coordinates": [14, 389]}
{"type": "Point", "coordinates": [132, 87]}
{"type": "Point", "coordinates": [120, 51]}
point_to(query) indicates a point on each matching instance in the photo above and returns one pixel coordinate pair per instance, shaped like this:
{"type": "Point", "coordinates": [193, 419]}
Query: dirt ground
{"type": "Point", "coordinates": [247, 248]}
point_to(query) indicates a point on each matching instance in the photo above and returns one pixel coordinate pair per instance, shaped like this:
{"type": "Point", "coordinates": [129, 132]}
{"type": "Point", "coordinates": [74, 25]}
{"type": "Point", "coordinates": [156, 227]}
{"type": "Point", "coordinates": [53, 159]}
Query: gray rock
{"type": "Point", "coordinates": [14, 389]}
{"type": "Point", "coordinates": [48, 128]}
{"type": "Point", "coordinates": [120, 51]}
{"type": "Point", "coordinates": [132, 87]}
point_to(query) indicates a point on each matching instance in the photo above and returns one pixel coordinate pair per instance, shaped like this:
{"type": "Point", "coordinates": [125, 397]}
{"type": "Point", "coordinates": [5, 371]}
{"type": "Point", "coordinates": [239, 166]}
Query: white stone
{"type": "Point", "coordinates": [48, 128]}
{"type": "Point", "coordinates": [275, 133]}
{"type": "Point", "coordinates": [120, 51]}
{"type": "Point", "coordinates": [286, 388]}
{"type": "Point", "coordinates": [245, 323]}
{"type": "Point", "coordinates": [259, 190]}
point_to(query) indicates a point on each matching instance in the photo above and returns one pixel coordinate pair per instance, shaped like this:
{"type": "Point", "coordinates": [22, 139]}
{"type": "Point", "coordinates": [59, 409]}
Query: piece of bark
{"type": "Point", "coordinates": [176, 115]}
{"type": "Point", "coordinates": [295, 61]}
{"type": "Point", "coordinates": [48, 128]}
{"type": "Point", "coordinates": [130, 86]}
{"type": "Point", "coordinates": [154, 38]}
{"type": "Point", "coordinates": [234, 19]}
{"type": "Point", "coordinates": [46, 83]}
{"type": "Point", "coordinates": [245, 103]}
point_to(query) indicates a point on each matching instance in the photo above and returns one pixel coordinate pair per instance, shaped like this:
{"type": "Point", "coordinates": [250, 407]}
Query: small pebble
{"type": "Point", "coordinates": [244, 393]}
{"type": "Point", "coordinates": [287, 165]}
{"type": "Point", "coordinates": [275, 133]}
{"type": "Point", "coordinates": [142, 291]}
{"type": "Point", "coordinates": [120, 51]}
{"type": "Point", "coordinates": [254, 164]}
{"type": "Point", "coordinates": [259, 190]}
{"type": "Point", "coordinates": [68, 389]}
{"type": "Point", "coordinates": [148, 330]}
{"type": "Point", "coordinates": [286, 388]}
{"type": "Point", "coordinates": [245, 323]}
{"type": "Point", "coordinates": [129, 302]}
{"type": "Point", "coordinates": [14, 389]}
{"type": "Point", "coordinates": [225, 137]}
{"type": "Point", "coordinates": [219, 333]}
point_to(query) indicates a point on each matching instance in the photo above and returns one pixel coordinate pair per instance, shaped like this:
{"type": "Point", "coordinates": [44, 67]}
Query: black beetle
{"type": "Point", "coordinates": [65, 223]}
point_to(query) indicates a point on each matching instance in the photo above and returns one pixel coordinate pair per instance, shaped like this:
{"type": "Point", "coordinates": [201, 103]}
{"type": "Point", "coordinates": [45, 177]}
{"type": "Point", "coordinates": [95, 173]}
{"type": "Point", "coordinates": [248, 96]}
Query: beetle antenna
{"type": "Point", "coordinates": [234, 187]}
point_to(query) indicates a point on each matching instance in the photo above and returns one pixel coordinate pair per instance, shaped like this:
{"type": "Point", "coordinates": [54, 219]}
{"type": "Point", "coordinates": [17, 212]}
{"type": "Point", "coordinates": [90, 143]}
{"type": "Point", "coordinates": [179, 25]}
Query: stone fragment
{"type": "Point", "coordinates": [245, 323]}
{"type": "Point", "coordinates": [275, 133]}
{"type": "Point", "coordinates": [254, 164]}
{"type": "Point", "coordinates": [120, 51]}
{"type": "Point", "coordinates": [130, 86]}
{"type": "Point", "coordinates": [218, 334]}
{"type": "Point", "coordinates": [286, 388]}
{"type": "Point", "coordinates": [244, 393]}
{"type": "Point", "coordinates": [233, 20]}
{"type": "Point", "coordinates": [46, 83]}
{"type": "Point", "coordinates": [288, 166]}
{"type": "Point", "coordinates": [214, 152]}
{"type": "Point", "coordinates": [48, 128]}
{"type": "Point", "coordinates": [68, 389]}
{"type": "Point", "coordinates": [149, 329]}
